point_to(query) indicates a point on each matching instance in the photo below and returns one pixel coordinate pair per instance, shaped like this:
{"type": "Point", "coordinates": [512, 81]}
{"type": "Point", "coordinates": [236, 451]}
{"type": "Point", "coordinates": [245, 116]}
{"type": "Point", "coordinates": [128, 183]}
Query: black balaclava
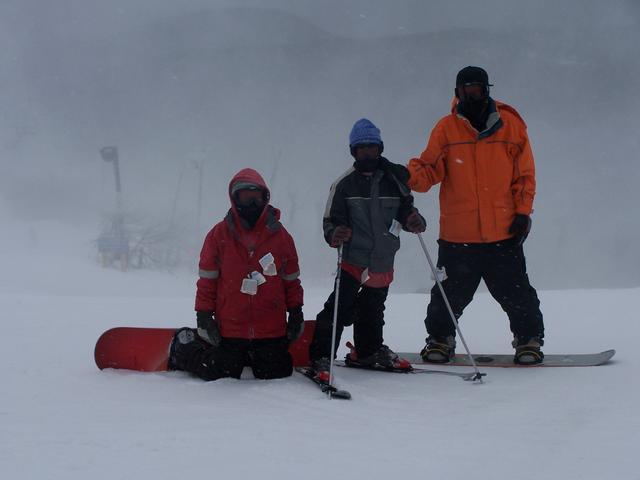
{"type": "Point", "coordinates": [251, 212]}
{"type": "Point", "coordinates": [367, 164]}
{"type": "Point", "coordinates": [474, 109]}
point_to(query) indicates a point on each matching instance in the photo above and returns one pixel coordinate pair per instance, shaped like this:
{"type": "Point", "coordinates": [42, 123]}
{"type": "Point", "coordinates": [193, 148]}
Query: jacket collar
{"type": "Point", "coordinates": [494, 122]}
{"type": "Point", "coordinates": [269, 220]}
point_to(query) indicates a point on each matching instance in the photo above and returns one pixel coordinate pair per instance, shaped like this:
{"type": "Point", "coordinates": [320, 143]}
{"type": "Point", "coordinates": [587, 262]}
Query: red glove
{"type": "Point", "coordinates": [415, 223]}
{"type": "Point", "coordinates": [340, 235]}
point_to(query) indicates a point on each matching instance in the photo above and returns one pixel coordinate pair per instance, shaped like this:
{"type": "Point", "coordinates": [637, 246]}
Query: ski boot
{"type": "Point", "coordinates": [527, 350]}
{"type": "Point", "coordinates": [382, 359]}
{"type": "Point", "coordinates": [321, 369]}
{"type": "Point", "coordinates": [439, 349]}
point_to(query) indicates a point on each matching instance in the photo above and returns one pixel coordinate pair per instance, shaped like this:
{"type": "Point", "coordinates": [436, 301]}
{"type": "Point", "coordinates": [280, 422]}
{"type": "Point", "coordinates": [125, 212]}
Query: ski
{"type": "Point", "coordinates": [330, 390]}
{"type": "Point", "coordinates": [467, 376]}
{"type": "Point", "coordinates": [506, 361]}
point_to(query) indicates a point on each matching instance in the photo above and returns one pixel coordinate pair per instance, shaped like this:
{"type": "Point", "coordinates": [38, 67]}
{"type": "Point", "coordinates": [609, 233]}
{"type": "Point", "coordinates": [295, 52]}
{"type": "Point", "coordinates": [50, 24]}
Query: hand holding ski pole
{"type": "Point", "coordinates": [340, 235]}
{"type": "Point", "coordinates": [415, 223]}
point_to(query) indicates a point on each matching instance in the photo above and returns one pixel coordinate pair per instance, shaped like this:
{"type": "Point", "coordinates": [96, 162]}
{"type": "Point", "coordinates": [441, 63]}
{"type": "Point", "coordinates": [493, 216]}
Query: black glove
{"type": "Point", "coordinates": [520, 227]}
{"type": "Point", "coordinates": [208, 328]}
{"type": "Point", "coordinates": [415, 223]}
{"type": "Point", "coordinates": [340, 235]}
{"type": "Point", "coordinates": [295, 324]}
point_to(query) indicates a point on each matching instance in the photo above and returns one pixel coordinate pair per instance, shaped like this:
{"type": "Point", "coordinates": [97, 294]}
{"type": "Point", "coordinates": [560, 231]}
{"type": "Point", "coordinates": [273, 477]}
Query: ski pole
{"type": "Point", "coordinates": [336, 294]}
{"type": "Point", "coordinates": [478, 375]}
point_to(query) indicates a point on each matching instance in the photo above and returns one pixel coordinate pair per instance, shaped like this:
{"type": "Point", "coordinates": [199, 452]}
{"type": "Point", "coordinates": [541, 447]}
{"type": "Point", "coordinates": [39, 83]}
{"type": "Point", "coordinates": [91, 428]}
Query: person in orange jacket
{"type": "Point", "coordinates": [481, 156]}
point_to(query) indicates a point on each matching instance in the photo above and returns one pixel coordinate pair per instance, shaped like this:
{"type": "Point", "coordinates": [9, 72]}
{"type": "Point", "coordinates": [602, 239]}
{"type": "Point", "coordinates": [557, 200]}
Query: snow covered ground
{"type": "Point", "coordinates": [62, 418]}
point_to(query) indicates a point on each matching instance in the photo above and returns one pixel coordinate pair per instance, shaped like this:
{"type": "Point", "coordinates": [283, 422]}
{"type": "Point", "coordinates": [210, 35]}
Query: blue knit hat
{"type": "Point", "coordinates": [363, 132]}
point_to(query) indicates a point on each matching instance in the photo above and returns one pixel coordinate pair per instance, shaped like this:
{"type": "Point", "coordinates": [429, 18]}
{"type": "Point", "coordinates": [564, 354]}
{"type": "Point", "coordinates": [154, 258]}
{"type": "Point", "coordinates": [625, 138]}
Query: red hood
{"type": "Point", "coordinates": [248, 175]}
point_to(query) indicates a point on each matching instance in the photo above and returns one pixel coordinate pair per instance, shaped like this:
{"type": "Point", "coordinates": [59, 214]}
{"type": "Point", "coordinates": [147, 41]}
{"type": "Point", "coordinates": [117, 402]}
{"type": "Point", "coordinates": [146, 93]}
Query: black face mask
{"type": "Point", "coordinates": [250, 212]}
{"type": "Point", "coordinates": [476, 111]}
{"type": "Point", "coordinates": [367, 165]}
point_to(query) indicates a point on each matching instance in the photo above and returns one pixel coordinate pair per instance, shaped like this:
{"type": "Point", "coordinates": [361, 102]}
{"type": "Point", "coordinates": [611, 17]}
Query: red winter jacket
{"type": "Point", "coordinates": [230, 253]}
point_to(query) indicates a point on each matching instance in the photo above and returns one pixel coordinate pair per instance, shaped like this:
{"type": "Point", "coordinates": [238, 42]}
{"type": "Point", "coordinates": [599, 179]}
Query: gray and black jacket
{"type": "Point", "coordinates": [369, 205]}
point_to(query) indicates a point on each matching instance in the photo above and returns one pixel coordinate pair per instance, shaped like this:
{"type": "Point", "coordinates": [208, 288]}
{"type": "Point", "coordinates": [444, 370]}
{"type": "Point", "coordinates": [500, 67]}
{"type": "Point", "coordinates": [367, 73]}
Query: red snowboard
{"type": "Point", "coordinates": [147, 349]}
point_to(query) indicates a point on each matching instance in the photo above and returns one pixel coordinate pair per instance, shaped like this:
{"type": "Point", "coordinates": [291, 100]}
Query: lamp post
{"type": "Point", "coordinates": [119, 244]}
{"type": "Point", "coordinates": [110, 154]}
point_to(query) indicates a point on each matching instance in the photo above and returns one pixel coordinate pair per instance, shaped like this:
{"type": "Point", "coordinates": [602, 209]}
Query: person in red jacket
{"type": "Point", "coordinates": [481, 157]}
{"type": "Point", "coordinates": [249, 281]}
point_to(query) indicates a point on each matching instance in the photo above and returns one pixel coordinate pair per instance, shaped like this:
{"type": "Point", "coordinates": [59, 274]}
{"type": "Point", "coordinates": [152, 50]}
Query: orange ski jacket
{"type": "Point", "coordinates": [486, 177]}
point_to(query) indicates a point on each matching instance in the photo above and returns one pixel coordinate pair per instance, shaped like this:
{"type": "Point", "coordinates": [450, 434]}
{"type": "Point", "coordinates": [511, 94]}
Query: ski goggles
{"type": "Point", "coordinates": [473, 91]}
{"type": "Point", "coordinates": [246, 198]}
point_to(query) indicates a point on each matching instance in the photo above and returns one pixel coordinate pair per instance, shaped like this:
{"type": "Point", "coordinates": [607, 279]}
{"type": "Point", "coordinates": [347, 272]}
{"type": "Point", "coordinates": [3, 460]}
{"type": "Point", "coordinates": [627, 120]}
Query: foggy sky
{"type": "Point", "coordinates": [276, 86]}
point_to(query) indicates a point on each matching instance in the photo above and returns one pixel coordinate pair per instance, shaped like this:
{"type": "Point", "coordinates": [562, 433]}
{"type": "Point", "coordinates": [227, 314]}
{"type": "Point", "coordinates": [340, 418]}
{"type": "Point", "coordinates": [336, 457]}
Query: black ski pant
{"type": "Point", "coordinates": [268, 358]}
{"type": "Point", "coordinates": [358, 305]}
{"type": "Point", "coordinates": [503, 268]}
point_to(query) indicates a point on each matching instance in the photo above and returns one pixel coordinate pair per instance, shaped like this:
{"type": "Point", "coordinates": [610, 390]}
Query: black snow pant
{"type": "Point", "coordinates": [503, 268]}
{"type": "Point", "coordinates": [268, 358]}
{"type": "Point", "coordinates": [358, 305]}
